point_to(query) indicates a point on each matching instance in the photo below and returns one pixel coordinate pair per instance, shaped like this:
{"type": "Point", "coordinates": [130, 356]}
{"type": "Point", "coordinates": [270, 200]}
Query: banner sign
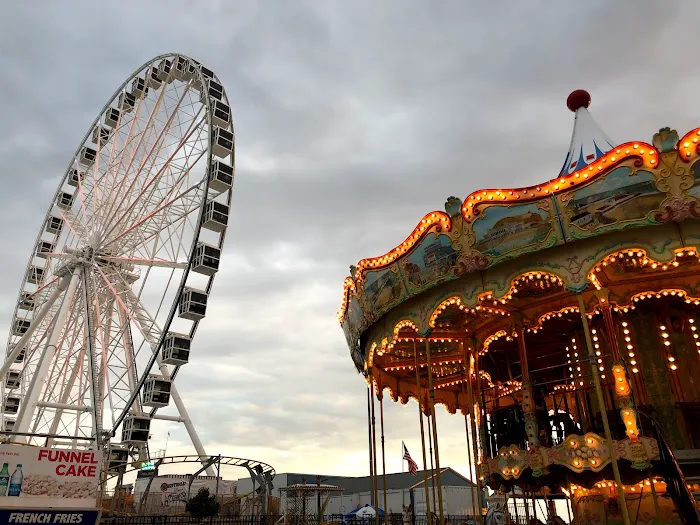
{"type": "Point", "coordinates": [46, 478]}
{"type": "Point", "coordinates": [25, 516]}
{"type": "Point", "coordinates": [173, 490]}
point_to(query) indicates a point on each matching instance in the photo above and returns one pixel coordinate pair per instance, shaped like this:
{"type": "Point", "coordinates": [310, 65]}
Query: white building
{"type": "Point", "coordinates": [402, 489]}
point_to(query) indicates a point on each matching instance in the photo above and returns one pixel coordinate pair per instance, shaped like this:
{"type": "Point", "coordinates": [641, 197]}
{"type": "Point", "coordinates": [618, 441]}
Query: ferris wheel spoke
{"type": "Point", "coordinates": [113, 152]}
{"type": "Point", "coordinates": [139, 203]}
{"type": "Point", "coordinates": [147, 132]}
{"type": "Point", "coordinates": [110, 177]}
{"type": "Point", "coordinates": [73, 223]}
{"type": "Point", "coordinates": [125, 192]}
{"type": "Point", "coordinates": [148, 193]}
{"type": "Point", "coordinates": [167, 213]}
{"type": "Point", "coordinates": [176, 168]}
{"type": "Point", "coordinates": [158, 263]}
{"type": "Point", "coordinates": [148, 329]}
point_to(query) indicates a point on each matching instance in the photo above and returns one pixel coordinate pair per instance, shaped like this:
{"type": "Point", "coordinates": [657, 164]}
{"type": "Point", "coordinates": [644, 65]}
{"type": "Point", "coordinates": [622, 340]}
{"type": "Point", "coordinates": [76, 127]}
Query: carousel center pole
{"type": "Point", "coordinates": [431, 392]}
{"type": "Point", "coordinates": [422, 436]}
{"type": "Point", "coordinates": [603, 412]}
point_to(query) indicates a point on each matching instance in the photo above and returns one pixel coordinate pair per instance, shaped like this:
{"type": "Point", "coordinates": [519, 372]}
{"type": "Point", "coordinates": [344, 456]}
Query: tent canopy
{"type": "Point", "coordinates": [366, 511]}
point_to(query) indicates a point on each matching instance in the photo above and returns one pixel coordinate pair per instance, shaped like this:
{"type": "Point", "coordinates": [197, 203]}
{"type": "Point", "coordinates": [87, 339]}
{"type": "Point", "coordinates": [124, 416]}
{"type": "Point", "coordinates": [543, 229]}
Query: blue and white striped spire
{"type": "Point", "coordinates": [588, 142]}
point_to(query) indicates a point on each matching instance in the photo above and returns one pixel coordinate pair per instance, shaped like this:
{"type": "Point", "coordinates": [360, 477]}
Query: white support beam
{"type": "Point", "coordinates": [39, 378]}
{"type": "Point", "coordinates": [163, 417]}
{"type": "Point", "coordinates": [10, 359]}
{"type": "Point", "coordinates": [65, 406]}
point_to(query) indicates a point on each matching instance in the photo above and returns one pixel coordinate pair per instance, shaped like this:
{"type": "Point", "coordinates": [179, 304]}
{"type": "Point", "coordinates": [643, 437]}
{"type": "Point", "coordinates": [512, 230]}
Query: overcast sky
{"type": "Point", "coordinates": [353, 119]}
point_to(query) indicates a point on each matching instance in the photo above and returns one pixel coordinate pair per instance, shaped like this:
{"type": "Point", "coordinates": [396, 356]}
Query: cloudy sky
{"type": "Point", "coordinates": [352, 120]}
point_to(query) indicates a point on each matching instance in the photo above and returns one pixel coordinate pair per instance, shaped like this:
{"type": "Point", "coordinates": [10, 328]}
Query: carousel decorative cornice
{"type": "Point", "coordinates": [645, 155]}
{"type": "Point", "coordinates": [438, 219]}
{"type": "Point", "coordinates": [602, 160]}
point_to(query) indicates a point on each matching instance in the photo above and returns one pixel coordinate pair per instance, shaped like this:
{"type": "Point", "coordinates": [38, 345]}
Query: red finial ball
{"type": "Point", "coordinates": [578, 99]}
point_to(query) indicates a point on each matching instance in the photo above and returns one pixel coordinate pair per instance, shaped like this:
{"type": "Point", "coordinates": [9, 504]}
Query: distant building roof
{"type": "Point", "coordinates": [396, 481]}
{"type": "Point", "coordinates": [312, 487]}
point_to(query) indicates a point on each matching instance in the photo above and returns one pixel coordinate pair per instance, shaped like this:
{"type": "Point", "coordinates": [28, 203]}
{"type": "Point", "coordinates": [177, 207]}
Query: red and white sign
{"type": "Point", "coordinates": [35, 477]}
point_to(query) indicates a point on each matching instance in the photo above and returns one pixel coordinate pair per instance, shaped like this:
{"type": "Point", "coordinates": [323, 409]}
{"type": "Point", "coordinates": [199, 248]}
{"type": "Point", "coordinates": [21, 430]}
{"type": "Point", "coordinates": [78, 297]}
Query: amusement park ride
{"type": "Point", "coordinates": [122, 269]}
{"type": "Point", "coordinates": [562, 321]}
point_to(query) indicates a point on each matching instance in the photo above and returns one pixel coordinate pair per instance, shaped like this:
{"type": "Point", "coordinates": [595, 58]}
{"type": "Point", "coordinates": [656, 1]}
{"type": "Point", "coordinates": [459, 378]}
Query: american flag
{"type": "Point", "coordinates": [412, 467]}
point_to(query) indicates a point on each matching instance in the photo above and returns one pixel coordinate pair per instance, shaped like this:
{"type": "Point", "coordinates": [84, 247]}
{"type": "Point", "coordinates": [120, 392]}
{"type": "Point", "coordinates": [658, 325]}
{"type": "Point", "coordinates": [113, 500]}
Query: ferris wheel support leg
{"type": "Point", "coordinates": [188, 424]}
{"type": "Point", "coordinates": [175, 396]}
{"type": "Point", "coordinates": [39, 378]}
{"type": "Point", "coordinates": [32, 327]}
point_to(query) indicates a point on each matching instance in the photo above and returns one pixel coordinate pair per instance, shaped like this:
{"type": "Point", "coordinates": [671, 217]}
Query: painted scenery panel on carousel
{"type": "Point", "coordinates": [355, 321]}
{"type": "Point", "coordinates": [502, 230]}
{"type": "Point", "coordinates": [620, 198]}
{"type": "Point", "coordinates": [383, 289]}
{"type": "Point", "coordinates": [695, 170]}
{"type": "Point", "coordinates": [431, 262]}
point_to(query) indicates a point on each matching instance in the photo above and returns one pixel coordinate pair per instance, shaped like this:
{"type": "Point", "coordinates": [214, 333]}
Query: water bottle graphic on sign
{"type": "Point", "coordinates": [16, 481]}
{"type": "Point", "coordinates": [4, 480]}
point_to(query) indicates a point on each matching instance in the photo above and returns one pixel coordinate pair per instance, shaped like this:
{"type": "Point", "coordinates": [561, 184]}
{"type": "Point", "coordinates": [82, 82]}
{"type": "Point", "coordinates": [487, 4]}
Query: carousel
{"type": "Point", "coordinates": [561, 321]}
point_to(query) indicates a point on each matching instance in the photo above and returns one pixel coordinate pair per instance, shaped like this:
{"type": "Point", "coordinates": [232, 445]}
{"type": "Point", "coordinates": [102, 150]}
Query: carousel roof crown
{"type": "Point", "coordinates": [588, 141]}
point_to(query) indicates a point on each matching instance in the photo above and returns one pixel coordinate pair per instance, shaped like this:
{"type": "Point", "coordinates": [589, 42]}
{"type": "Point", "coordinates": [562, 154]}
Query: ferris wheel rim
{"type": "Point", "coordinates": [196, 233]}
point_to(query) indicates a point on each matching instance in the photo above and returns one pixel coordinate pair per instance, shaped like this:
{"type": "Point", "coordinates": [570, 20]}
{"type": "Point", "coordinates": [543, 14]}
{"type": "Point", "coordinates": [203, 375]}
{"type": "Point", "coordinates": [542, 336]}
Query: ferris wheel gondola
{"type": "Point", "coordinates": [123, 265]}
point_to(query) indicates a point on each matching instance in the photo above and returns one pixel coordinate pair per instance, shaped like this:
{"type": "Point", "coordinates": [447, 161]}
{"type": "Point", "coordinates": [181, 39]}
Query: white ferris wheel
{"type": "Point", "coordinates": [123, 265]}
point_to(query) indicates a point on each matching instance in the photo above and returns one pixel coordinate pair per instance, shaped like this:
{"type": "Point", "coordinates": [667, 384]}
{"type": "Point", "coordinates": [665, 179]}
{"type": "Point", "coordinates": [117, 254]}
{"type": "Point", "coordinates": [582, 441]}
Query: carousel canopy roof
{"type": "Point", "coordinates": [480, 254]}
{"type": "Point", "coordinates": [588, 141]}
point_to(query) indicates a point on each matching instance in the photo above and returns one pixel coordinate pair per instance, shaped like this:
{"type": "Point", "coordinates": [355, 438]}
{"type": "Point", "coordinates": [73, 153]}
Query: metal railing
{"type": "Point", "coordinates": [391, 519]}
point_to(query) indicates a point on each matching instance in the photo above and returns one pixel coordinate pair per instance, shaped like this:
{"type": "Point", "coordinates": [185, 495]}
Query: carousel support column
{"type": "Point", "coordinates": [422, 435]}
{"type": "Point", "coordinates": [527, 507]}
{"type": "Point", "coordinates": [515, 504]}
{"type": "Point", "coordinates": [623, 388]}
{"type": "Point", "coordinates": [374, 456]}
{"type": "Point", "coordinates": [528, 395]}
{"type": "Point", "coordinates": [431, 392]}
{"type": "Point", "coordinates": [473, 374]}
{"type": "Point", "coordinates": [601, 404]}
{"type": "Point", "coordinates": [430, 455]}
{"type": "Point", "coordinates": [369, 436]}
{"type": "Point", "coordinates": [653, 493]}
{"type": "Point", "coordinates": [472, 485]}
{"type": "Point", "coordinates": [381, 423]}
{"type": "Point", "coordinates": [569, 499]}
